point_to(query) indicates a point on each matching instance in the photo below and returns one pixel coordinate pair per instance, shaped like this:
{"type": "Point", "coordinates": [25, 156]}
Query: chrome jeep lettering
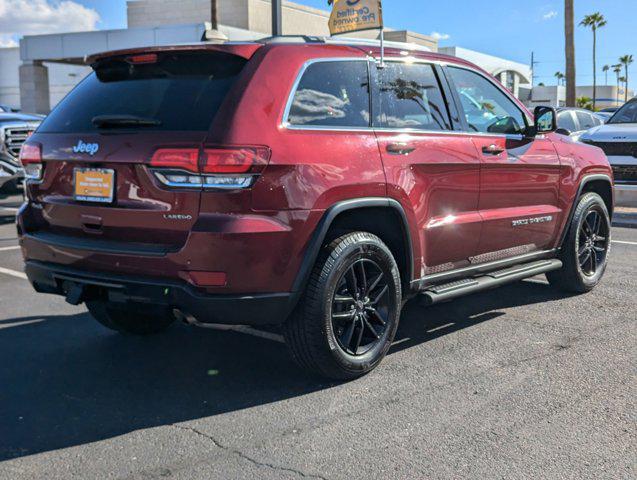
{"type": "Point", "coordinates": [83, 147]}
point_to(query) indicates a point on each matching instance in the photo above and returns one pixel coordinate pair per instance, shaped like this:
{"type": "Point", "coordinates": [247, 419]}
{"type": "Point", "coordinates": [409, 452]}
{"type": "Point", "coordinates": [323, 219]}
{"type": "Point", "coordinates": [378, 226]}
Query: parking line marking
{"type": "Point", "coordinates": [624, 243]}
{"type": "Point", "coordinates": [13, 273]}
{"type": "Point", "coordinates": [5, 249]}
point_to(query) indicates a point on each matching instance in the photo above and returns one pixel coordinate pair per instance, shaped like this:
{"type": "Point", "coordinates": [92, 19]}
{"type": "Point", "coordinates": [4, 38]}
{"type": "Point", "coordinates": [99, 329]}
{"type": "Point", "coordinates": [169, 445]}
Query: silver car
{"type": "Point", "coordinates": [618, 138]}
{"type": "Point", "coordinates": [15, 128]}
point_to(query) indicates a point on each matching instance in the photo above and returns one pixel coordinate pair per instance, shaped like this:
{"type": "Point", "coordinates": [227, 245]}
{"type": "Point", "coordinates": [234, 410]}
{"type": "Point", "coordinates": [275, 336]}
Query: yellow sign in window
{"type": "Point", "coordinates": [94, 185]}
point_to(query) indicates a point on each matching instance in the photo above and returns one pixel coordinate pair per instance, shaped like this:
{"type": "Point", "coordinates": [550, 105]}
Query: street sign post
{"type": "Point", "coordinates": [277, 19]}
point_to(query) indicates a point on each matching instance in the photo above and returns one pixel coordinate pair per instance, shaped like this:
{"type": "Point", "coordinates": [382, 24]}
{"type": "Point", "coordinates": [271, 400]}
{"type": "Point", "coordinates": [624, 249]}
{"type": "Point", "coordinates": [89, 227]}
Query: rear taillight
{"type": "Point", "coordinates": [218, 167]}
{"type": "Point", "coordinates": [235, 160]}
{"type": "Point", "coordinates": [31, 160]}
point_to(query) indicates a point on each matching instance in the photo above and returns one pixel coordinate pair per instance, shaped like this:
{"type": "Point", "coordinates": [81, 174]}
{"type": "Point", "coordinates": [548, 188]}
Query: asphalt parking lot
{"type": "Point", "coordinates": [520, 382]}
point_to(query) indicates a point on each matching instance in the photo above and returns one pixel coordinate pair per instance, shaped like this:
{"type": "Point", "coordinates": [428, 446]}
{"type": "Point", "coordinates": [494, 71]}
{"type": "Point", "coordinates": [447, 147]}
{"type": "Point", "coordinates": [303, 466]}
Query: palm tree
{"type": "Point", "coordinates": [569, 36]}
{"type": "Point", "coordinates": [605, 69]}
{"type": "Point", "coordinates": [214, 18]}
{"type": "Point", "coordinates": [594, 21]}
{"type": "Point", "coordinates": [585, 102]}
{"type": "Point", "coordinates": [618, 70]}
{"type": "Point", "coordinates": [560, 77]}
{"type": "Point", "coordinates": [626, 60]}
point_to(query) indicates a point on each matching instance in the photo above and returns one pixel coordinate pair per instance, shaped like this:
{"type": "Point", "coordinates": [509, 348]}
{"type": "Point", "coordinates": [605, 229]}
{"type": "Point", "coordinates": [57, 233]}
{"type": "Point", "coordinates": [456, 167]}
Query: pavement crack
{"type": "Point", "coordinates": [246, 457]}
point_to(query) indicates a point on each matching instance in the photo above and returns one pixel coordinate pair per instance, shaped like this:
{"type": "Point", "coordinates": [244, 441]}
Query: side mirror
{"type": "Point", "coordinates": [563, 131]}
{"type": "Point", "coordinates": [545, 120]}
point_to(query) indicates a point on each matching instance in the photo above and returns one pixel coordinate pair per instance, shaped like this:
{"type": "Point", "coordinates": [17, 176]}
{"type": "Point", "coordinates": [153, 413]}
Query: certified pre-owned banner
{"type": "Point", "coordinates": [355, 15]}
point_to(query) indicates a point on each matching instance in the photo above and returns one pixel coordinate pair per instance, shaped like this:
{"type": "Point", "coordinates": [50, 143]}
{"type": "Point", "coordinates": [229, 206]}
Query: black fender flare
{"type": "Point", "coordinates": [587, 179]}
{"type": "Point", "coordinates": [320, 232]}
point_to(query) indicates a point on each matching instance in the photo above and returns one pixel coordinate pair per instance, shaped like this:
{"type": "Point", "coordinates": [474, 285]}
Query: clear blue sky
{"type": "Point", "coordinates": [505, 28]}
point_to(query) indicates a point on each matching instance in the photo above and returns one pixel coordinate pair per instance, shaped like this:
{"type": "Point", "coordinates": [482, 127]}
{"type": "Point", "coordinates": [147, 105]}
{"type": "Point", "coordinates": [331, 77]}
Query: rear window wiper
{"type": "Point", "coordinates": [114, 121]}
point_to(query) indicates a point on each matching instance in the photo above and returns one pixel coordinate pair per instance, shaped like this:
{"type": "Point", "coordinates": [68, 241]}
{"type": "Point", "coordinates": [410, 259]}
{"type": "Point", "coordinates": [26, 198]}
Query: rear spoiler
{"type": "Point", "coordinates": [244, 50]}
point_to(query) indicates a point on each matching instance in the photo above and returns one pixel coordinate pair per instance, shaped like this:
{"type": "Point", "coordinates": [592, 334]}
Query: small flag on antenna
{"type": "Point", "coordinates": [355, 15]}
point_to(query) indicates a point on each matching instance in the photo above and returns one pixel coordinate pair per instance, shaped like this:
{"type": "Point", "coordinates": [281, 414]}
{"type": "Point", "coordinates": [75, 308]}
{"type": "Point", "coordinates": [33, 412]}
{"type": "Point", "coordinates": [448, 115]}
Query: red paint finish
{"type": "Point", "coordinates": [458, 202]}
{"type": "Point", "coordinates": [519, 181]}
{"type": "Point", "coordinates": [438, 184]}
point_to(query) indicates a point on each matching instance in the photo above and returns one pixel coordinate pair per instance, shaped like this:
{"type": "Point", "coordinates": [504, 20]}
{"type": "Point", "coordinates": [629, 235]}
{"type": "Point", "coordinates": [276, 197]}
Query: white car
{"type": "Point", "coordinates": [15, 128]}
{"type": "Point", "coordinates": [618, 139]}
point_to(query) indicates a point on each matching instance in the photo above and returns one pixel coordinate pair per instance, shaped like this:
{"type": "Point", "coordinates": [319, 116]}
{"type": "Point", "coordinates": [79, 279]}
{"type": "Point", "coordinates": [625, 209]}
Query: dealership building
{"type": "Point", "coordinates": [35, 76]}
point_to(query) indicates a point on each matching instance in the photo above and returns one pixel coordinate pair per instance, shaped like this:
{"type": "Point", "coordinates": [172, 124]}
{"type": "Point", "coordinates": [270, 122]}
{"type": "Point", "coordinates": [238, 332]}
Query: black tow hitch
{"type": "Point", "coordinates": [74, 292]}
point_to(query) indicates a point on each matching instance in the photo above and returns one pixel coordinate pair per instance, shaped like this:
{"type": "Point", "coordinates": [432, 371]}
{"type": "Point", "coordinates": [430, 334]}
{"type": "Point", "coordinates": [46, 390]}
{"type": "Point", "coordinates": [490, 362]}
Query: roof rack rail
{"type": "Point", "coordinates": [292, 39]}
{"type": "Point", "coordinates": [342, 41]}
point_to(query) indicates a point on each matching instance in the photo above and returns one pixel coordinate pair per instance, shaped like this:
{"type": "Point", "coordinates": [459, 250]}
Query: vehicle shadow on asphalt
{"type": "Point", "coordinates": [420, 324]}
{"type": "Point", "coordinates": [66, 381]}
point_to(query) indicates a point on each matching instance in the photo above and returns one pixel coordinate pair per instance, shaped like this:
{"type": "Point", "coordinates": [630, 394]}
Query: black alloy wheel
{"type": "Point", "coordinates": [586, 248]}
{"type": "Point", "coordinates": [592, 243]}
{"type": "Point", "coordinates": [360, 307]}
{"type": "Point", "coordinates": [347, 318]}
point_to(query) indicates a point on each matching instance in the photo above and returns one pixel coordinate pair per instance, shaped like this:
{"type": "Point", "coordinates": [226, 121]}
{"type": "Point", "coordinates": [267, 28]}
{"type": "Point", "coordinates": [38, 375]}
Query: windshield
{"type": "Point", "coordinates": [177, 91]}
{"type": "Point", "coordinates": [626, 114]}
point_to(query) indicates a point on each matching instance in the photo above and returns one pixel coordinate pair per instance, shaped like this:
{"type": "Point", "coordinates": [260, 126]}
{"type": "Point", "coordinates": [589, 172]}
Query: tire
{"type": "Point", "coordinates": [335, 333]}
{"type": "Point", "coordinates": [586, 248]}
{"type": "Point", "coordinates": [131, 318]}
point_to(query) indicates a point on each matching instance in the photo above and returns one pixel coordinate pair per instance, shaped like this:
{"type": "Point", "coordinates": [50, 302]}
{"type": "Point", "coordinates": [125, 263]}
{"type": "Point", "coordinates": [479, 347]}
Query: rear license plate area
{"type": "Point", "coordinates": [94, 185]}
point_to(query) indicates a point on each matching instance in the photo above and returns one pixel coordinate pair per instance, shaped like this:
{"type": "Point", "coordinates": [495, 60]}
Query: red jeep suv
{"type": "Point", "coordinates": [302, 183]}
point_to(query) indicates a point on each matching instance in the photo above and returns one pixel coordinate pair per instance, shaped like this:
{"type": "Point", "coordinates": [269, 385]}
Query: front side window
{"type": "Point", "coordinates": [486, 108]}
{"type": "Point", "coordinates": [410, 97]}
{"type": "Point", "coordinates": [332, 94]}
{"type": "Point", "coordinates": [626, 114]}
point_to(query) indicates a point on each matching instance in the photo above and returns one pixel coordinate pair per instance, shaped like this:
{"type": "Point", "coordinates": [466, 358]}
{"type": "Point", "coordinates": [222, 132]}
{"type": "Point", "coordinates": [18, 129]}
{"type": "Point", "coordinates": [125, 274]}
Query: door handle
{"type": "Point", "coordinates": [492, 149]}
{"type": "Point", "coordinates": [400, 148]}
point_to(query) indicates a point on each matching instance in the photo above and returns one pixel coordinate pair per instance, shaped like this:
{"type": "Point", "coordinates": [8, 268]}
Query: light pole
{"type": "Point", "coordinates": [277, 21]}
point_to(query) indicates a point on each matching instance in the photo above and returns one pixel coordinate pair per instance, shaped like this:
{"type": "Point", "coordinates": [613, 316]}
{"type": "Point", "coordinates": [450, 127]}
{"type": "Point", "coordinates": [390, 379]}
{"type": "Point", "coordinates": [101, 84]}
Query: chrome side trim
{"type": "Point", "coordinates": [464, 272]}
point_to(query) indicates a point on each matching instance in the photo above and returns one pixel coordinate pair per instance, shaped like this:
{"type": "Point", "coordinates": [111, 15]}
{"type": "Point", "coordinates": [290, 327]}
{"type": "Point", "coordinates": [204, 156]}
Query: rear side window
{"type": "Point", "coordinates": [332, 94]}
{"type": "Point", "coordinates": [585, 120]}
{"type": "Point", "coordinates": [180, 91]}
{"type": "Point", "coordinates": [410, 97]}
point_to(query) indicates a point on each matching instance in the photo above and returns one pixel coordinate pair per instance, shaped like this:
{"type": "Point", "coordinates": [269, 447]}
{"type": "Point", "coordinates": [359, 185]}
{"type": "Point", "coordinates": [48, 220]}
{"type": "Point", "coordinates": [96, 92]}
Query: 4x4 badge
{"type": "Point", "coordinates": [532, 221]}
{"type": "Point", "coordinates": [83, 147]}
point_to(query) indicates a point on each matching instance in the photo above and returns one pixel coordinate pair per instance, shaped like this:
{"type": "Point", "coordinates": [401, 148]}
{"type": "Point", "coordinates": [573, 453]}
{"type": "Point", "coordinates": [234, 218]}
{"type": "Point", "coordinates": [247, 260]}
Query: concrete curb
{"type": "Point", "coordinates": [625, 220]}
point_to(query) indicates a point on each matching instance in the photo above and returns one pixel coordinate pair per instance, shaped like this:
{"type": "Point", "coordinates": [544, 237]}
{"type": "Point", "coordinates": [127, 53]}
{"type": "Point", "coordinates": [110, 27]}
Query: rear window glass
{"type": "Point", "coordinates": [178, 92]}
{"type": "Point", "coordinates": [332, 94]}
{"type": "Point", "coordinates": [410, 97]}
{"type": "Point", "coordinates": [565, 121]}
{"type": "Point", "coordinates": [586, 120]}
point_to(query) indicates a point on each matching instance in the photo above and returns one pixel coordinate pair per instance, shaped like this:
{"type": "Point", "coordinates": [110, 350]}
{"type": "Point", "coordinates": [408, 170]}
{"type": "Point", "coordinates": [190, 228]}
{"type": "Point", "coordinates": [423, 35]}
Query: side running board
{"type": "Point", "coordinates": [449, 291]}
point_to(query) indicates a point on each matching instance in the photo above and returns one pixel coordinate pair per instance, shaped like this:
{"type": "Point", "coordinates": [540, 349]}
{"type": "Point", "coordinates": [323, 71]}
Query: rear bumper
{"type": "Point", "coordinates": [257, 252]}
{"type": "Point", "coordinates": [257, 309]}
